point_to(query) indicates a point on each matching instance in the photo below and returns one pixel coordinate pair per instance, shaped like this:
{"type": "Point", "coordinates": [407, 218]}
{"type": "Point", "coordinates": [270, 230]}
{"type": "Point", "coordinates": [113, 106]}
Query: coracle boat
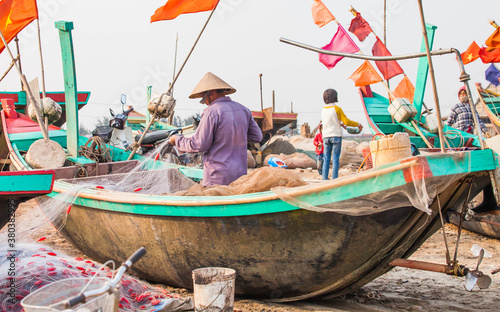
{"type": "Point", "coordinates": [321, 239]}
{"type": "Point", "coordinates": [280, 251]}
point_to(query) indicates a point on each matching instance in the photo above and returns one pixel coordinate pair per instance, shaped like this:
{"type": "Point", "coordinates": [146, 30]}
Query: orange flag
{"type": "Point", "coordinates": [365, 75]}
{"type": "Point", "coordinates": [14, 16]}
{"type": "Point", "coordinates": [174, 8]}
{"type": "Point", "coordinates": [321, 14]}
{"type": "Point", "coordinates": [405, 90]}
{"type": "Point", "coordinates": [471, 54]}
{"type": "Point", "coordinates": [493, 41]}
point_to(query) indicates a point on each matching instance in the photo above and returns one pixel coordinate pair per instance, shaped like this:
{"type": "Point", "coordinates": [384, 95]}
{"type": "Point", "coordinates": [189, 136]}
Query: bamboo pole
{"type": "Point", "coordinates": [138, 144]}
{"type": "Point", "coordinates": [433, 78]}
{"type": "Point", "coordinates": [10, 67]}
{"type": "Point", "coordinates": [261, 99]}
{"type": "Point", "coordinates": [41, 57]}
{"type": "Point", "coordinates": [391, 95]}
{"type": "Point", "coordinates": [44, 130]}
{"type": "Point", "coordinates": [19, 56]}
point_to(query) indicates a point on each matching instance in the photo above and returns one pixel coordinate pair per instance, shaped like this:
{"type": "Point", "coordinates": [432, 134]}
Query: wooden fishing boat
{"type": "Point", "coordinates": [280, 251]}
{"type": "Point", "coordinates": [20, 101]}
{"type": "Point", "coordinates": [490, 101]}
{"type": "Point", "coordinates": [19, 186]}
{"type": "Point", "coordinates": [380, 121]}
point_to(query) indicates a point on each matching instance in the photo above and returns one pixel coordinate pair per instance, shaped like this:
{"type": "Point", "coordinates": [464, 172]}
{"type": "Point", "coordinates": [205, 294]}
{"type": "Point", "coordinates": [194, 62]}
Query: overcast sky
{"type": "Point", "coordinates": [119, 51]}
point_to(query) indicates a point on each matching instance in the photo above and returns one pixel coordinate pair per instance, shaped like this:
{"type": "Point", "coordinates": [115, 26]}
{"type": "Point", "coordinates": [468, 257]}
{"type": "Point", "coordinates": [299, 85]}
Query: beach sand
{"type": "Point", "coordinates": [399, 290]}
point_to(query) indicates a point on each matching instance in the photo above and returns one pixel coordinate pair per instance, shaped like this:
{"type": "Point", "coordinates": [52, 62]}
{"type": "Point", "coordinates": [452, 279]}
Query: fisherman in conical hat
{"type": "Point", "coordinates": [222, 134]}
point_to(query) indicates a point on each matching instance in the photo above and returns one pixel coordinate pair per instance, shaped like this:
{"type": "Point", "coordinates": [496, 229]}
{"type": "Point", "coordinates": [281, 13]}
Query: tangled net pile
{"type": "Point", "coordinates": [38, 265]}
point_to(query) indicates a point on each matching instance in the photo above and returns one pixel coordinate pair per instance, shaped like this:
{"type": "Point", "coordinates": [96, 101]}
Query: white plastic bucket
{"type": "Point", "coordinates": [214, 289]}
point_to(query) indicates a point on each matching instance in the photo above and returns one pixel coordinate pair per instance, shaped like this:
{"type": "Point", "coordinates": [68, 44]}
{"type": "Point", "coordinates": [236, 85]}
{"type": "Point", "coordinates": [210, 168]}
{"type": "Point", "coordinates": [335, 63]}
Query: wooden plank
{"type": "Point", "coordinates": [71, 94]}
{"type": "Point", "coordinates": [423, 71]}
{"type": "Point", "coordinates": [267, 122]}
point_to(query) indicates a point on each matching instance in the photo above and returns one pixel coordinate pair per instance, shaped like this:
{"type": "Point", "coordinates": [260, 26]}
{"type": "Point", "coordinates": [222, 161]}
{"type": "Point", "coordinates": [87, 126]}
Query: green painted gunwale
{"type": "Point", "coordinates": [207, 206]}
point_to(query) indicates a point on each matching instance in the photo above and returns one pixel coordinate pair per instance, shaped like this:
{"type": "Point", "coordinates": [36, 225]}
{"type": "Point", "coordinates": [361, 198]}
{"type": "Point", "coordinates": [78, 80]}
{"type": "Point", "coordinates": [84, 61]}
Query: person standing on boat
{"type": "Point", "coordinates": [318, 142]}
{"type": "Point", "coordinates": [332, 118]}
{"type": "Point", "coordinates": [461, 116]}
{"type": "Point", "coordinates": [222, 134]}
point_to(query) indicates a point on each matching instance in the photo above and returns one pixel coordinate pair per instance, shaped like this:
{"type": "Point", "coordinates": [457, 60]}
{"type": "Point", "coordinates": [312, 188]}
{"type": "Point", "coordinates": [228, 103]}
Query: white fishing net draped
{"type": "Point", "coordinates": [419, 193]}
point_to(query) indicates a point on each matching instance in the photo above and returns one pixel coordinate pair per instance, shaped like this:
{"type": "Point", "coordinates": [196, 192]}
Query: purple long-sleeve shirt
{"type": "Point", "coordinates": [222, 135]}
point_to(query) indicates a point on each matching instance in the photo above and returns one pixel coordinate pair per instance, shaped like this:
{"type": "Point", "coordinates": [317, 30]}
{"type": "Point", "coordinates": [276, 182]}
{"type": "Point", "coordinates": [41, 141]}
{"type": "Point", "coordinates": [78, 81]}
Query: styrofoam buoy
{"type": "Point", "coordinates": [45, 154]}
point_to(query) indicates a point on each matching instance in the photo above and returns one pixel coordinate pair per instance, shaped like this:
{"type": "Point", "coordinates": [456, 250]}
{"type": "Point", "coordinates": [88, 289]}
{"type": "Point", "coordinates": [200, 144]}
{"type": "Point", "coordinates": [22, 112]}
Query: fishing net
{"type": "Point", "coordinates": [37, 265]}
{"type": "Point", "coordinates": [419, 192]}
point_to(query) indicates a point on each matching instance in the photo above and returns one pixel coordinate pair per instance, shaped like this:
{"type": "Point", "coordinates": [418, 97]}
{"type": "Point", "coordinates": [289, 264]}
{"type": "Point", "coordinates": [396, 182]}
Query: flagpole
{"type": "Point", "coordinates": [155, 116]}
{"type": "Point", "coordinates": [28, 91]}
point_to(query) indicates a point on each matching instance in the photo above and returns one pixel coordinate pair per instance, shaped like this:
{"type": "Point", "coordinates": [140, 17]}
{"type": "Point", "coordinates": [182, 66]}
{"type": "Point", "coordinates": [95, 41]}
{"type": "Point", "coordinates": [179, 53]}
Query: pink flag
{"type": "Point", "coordinates": [341, 42]}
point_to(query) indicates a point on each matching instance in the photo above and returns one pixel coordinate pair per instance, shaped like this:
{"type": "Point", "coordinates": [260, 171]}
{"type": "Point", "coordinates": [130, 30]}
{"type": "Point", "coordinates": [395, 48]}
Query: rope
{"type": "Point", "coordinates": [95, 149]}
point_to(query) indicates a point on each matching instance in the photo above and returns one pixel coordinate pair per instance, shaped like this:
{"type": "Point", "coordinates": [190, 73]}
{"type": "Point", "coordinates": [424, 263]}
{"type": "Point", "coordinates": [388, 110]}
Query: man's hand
{"type": "Point", "coordinates": [360, 127]}
{"type": "Point", "coordinates": [487, 134]}
{"type": "Point", "coordinates": [172, 140]}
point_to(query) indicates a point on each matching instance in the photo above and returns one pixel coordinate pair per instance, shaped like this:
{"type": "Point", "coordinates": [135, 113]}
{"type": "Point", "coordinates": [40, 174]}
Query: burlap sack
{"type": "Point", "coordinates": [261, 180]}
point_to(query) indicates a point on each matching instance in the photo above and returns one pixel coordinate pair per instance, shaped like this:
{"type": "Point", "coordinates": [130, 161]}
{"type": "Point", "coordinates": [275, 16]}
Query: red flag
{"type": "Point", "coordinates": [14, 16]}
{"type": "Point", "coordinates": [493, 41]}
{"type": "Point", "coordinates": [489, 56]}
{"type": "Point", "coordinates": [388, 68]}
{"type": "Point", "coordinates": [405, 90]}
{"type": "Point", "coordinates": [341, 42]}
{"type": "Point", "coordinates": [365, 75]}
{"type": "Point", "coordinates": [321, 14]}
{"type": "Point", "coordinates": [174, 8]}
{"type": "Point", "coordinates": [471, 54]}
{"type": "Point", "coordinates": [359, 27]}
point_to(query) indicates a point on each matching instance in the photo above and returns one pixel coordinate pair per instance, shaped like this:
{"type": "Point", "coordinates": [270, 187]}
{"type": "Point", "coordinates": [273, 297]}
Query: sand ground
{"type": "Point", "coordinates": [399, 290]}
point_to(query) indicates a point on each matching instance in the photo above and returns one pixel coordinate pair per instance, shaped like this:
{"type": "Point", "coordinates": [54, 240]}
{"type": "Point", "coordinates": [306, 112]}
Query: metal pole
{"type": "Point", "coordinates": [28, 91]}
{"type": "Point", "coordinates": [433, 78]}
{"type": "Point", "coordinates": [261, 99]}
{"type": "Point", "coordinates": [364, 56]}
{"type": "Point", "coordinates": [173, 83]}
{"type": "Point", "coordinates": [464, 77]}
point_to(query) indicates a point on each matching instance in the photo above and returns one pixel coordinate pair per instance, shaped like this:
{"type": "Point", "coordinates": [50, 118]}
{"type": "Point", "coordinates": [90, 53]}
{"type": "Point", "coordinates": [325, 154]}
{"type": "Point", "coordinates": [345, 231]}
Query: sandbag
{"type": "Point", "coordinates": [48, 108]}
{"type": "Point", "coordinates": [296, 160]}
{"type": "Point", "coordinates": [161, 105]}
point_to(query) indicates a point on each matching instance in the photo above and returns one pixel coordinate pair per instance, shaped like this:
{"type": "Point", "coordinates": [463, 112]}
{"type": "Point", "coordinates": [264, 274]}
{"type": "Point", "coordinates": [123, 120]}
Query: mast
{"type": "Point", "coordinates": [173, 83]}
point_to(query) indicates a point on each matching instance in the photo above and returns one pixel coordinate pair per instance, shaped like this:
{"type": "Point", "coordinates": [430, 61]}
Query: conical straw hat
{"type": "Point", "coordinates": [211, 82]}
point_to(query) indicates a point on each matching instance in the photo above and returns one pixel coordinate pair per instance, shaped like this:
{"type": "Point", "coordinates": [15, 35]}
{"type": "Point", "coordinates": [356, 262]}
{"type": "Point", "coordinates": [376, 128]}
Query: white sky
{"type": "Point", "coordinates": [118, 50]}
